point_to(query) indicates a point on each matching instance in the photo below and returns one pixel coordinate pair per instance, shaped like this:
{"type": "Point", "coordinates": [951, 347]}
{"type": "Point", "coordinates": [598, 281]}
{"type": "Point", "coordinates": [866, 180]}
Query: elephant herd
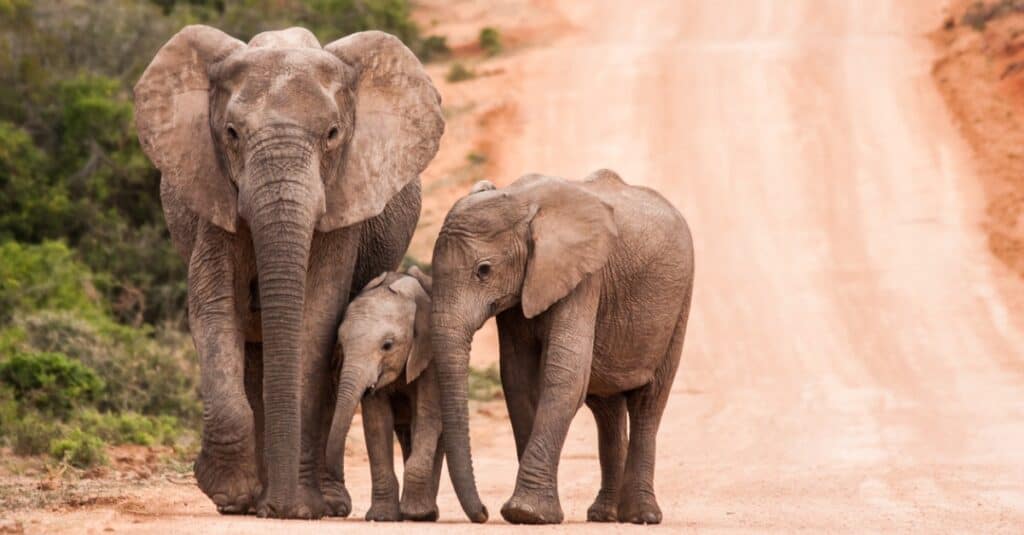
{"type": "Point", "coordinates": [290, 185]}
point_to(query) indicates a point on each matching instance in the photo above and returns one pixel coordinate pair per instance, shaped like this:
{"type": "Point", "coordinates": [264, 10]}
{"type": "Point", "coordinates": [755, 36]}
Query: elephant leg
{"type": "Point", "coordinates": [379, 429]}
{"type": "Point", "coordinates": [565, 373]}
{"type": "Point", "coordinates": [610, 415]}
{"type": "Point", "coordinates": [327, 289]}
{"type": "Point", "coordinates": [226, 467]}
{"type": "Point", "coordinates": [519, 360]}
{"type": "Point", "coordinates": [422, 468]}
{"type": "Point", "coordinates": [254, 392]}
{"type": "Point", "coordinates": [637, 503]}
{"type": "Point", "coordinates": [332, 477]}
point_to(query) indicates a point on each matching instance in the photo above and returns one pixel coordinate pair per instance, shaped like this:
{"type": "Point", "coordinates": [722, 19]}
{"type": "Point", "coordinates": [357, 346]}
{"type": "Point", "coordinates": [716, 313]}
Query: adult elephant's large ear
{"type": "Point", "coordinates": [398, 126]}
{"type": "Point", "coordinates": [572, 233]}
{"type": "Point", "coordinates": [172, 115]}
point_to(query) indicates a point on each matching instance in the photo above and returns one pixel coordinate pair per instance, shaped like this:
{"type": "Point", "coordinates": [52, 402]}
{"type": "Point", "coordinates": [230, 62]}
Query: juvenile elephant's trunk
{"type": "Point", "coordinates": [353, 383]}
{"type": "Point", "coordinates": [281, 206]}
{"type": "Point", "coordinates": [451, 342]}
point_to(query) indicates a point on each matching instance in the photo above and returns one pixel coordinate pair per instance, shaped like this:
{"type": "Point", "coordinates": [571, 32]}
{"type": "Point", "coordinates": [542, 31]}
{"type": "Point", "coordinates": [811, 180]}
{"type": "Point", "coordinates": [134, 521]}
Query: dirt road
{"type": "Point", "coordinates": [854, 359]}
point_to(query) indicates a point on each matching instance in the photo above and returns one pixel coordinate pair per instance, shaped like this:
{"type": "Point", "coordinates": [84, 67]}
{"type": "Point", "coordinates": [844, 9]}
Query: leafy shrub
{"type": "Point", "coordinates": [485, 384]}
{"type": "Point", "coordinates": [490, 41]}
{"type": "Point", "coordinates": [433, 47]}
{"type": "Point", "coordinates": [80, 449]}
{"type": "Point", "coordinates": [147, 371]}
{"type": "Point", "coordinates": [45, 276]}
{"type": "Point", "coordinates": [32, 434]}
{"type": "Point", "coordinates": [979, 14]}
{"type": "Point", "coordinates": [130, 427]}
{"type": "Point", "coordinates": [458, 73]}
{"type": "Point", "coordinates": [50, 382]}
{"type": "Point", "coordinates": [9, 411]}
{"type": "Point", "coordinates": [476, 158]}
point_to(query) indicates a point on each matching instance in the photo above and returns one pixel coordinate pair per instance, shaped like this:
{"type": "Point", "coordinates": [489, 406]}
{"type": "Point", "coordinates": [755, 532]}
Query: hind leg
{"type": "Point", "coordinates": [637, 503]}
{"type": "Point", "coordinates": [610, 415]}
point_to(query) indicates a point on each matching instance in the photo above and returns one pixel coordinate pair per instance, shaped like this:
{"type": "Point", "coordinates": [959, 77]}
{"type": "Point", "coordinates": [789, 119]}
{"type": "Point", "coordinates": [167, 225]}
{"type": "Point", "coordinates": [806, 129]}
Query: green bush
{"type": "Point", "coordinates": [979, 14]}
{"type": "Point", "coordinates": [485, 384]}
{"type": "Point", "coordinates": [32, 434]}
{"type": "Point", "coordinates": [490, 41]}
{"type": "Point", "coordinates": [476, 158]}
{"type": "Point", "coordinates": [45, 276]}
{"type": "Point", "coordinates": [50, 382]}
{"type": "Point", "coordinates": [147, 371]}
{"type": "Point", "coordinates": [433, 47]}
{"type": "Point", "coordinates": [130, 427]}
{"type": "Point", "coordinates": [458, 73]}
{"type": "Point", "coordinates": [80, 449]}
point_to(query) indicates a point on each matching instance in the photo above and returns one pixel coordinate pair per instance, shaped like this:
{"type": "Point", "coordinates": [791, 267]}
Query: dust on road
{"type": "Point", "coordinates": [853, 362]}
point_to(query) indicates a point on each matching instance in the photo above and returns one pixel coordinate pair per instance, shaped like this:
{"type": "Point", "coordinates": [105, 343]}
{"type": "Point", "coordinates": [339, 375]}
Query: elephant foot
{"type": "Point", "coordinates": [418, 510]}
{"type": "Point", "coordinates": [383, 511]}
{"type": "Point", "coordinates": [309, 505]}
{"type": "Point", "coordinates": [233, 486]}
{"type": "Point", "coordinates": [336, 496]}
{"type": "Point", "coordinates": [604, 509]}
{"type": "Point", "coordinates": [532, 508]}
{"type": "Point", "coordinates": [639, 508]}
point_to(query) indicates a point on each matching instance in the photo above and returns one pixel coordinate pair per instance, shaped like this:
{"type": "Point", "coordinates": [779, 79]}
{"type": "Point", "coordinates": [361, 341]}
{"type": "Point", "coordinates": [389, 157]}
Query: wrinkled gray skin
{"type": "Point", "coordinates": [591, 283]}
{"type": "Point", "coordinates": [289, 173]}
{"type": "Point", "coordinates": [386, 339]}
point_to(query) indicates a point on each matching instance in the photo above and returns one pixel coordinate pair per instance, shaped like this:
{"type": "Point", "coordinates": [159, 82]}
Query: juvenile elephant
{"type": "Point", "coordinates": [289, 172]}
{"type": "Point", "coordinates": [591, 283]}
{"type": "Point", "coordinates": [386, 340]}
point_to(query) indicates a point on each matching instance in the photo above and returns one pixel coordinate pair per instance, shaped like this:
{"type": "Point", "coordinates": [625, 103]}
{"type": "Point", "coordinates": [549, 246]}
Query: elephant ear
{"type": "Point", "coordinates": [398, 126]}
{"type": "Point", "coordinates": [420, 353]}
{"type": "Point", "coordinates": [425, 280]}
{"type": "Point", "coordinates": [572, 233]}
{"type": "Point", "coordinates": [172, 116]}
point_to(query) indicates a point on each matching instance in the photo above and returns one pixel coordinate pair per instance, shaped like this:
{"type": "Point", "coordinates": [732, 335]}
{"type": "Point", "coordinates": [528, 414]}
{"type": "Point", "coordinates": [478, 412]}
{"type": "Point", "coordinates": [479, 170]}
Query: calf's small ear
{"type": "Point", "coordinates": [425, 280]}
{"type": "Point", "coordinates": [420, 353]}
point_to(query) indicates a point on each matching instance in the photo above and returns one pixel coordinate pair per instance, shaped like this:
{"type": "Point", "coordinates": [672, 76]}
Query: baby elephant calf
{"type": "Point", "coordinates": [387, 366]}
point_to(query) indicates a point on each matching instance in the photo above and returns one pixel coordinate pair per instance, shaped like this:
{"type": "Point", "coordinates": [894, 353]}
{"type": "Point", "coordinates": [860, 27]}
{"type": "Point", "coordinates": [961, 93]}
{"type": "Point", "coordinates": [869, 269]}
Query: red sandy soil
{"type": "Point", "coordinates": [981, 75]}
{"type": "Point", "coordinates": [853, 360]}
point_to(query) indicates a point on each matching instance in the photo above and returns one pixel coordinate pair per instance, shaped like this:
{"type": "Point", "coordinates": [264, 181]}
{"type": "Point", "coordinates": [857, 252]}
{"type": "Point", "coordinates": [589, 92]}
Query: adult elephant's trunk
{"type": "Point", "coordinates": [451, 340]}
{"type": "Point", "coordinates": [353, 384]}
{"type": "Point", "coordinates": [281, 204]}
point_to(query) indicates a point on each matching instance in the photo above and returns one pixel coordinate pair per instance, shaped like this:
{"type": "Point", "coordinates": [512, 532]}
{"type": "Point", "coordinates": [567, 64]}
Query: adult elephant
{"type": "Point", "coordinates": [591, 283]}
{"type": "Point", "coordinates": [289, 173]}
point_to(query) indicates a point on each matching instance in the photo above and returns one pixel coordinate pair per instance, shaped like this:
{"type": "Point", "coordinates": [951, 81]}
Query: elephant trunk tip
{"type": "Point", "coordinates": [479, 516]}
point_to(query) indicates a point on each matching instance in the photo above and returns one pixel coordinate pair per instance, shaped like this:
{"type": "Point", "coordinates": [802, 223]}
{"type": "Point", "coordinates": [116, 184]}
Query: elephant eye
{"type": "Point", "coordinates": [232, 133]}
{"type": "Point", "coordinates": [332, 134]}
{"type": "Point", "coordinates": [387, 345]}
{"type": "Point", "coordinates": [483, 270]}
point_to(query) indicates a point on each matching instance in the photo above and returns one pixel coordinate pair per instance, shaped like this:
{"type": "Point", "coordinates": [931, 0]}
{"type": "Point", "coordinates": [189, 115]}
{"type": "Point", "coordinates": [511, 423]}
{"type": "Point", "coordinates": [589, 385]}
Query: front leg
{"type": "Point", "coordinates": [423, 467]}
{"type": "Point", "coordinates": [564, 375]}
{"type": "Point", "coordinates": [226, 467]}
{"type": "Point", "coordinates": [327, 288]}
{"type": "Point", "coordinates": [379, 429]}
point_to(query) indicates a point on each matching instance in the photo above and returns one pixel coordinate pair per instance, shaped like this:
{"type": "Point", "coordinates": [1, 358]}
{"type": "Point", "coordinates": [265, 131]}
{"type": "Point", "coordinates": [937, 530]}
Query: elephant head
{"type": "Point", "coordinates": [527, 245]}
{"type": "Point", "coordinates": [384, 336]}
{"type": "Point", "coordinates": [290, 138]}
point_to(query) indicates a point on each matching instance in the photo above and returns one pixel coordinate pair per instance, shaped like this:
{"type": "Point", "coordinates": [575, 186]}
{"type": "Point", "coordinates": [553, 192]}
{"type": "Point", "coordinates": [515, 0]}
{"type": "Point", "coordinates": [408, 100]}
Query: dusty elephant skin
{"type": "Point", "coordinates": [591, 284]}
{"type": "Point", "coordinates": [388, 368]}
{"type": "Point", "coordinates": [289, 173]}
